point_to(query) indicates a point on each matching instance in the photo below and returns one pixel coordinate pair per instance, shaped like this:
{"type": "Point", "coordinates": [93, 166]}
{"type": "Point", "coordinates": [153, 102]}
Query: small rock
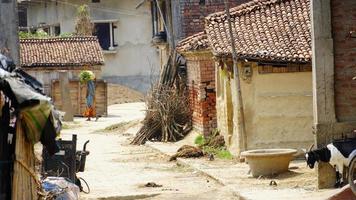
{"type": "Point", "coordinates": [273, 183]}
{"type": "Point", "coordinates": [152, 184]}
{"type": "Point", "coordinates": [211, 157]}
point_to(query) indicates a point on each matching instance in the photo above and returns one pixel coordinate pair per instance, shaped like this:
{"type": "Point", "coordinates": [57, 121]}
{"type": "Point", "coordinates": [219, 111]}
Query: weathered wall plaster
{"type": "Point", "coordinates": [278, 109]}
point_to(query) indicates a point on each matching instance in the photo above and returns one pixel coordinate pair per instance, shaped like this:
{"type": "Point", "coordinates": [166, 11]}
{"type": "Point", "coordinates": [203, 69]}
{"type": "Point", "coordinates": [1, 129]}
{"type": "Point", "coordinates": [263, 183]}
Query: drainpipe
{"type": "Point", "coordinates": [240, 117]}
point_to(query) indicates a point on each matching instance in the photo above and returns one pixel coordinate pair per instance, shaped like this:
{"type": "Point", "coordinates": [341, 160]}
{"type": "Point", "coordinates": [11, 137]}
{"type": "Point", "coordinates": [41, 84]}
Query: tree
{"type": "Point", "coordinates": [83, 26]}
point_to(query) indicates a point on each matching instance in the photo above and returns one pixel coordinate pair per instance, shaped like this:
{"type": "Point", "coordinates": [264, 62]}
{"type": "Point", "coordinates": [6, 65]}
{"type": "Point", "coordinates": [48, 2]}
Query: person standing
{"type": "Point", "coordinates": [88, 77]}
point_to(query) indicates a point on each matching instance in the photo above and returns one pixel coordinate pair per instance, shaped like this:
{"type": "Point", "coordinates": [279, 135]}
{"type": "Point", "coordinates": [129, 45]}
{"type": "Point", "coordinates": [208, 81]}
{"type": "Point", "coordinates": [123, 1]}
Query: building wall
{"type": "Point", "coordinates": [201, 86]}
{"type": "Point", "coordinates": [46, 76]}
{"type": "Point", "coordinates": [343, 21]}
{"type": "Point", "coordinates": [333, 69]}
{"type": "Point", "coordinates": [278, 109]}
{"type": "Point", "coordinates": [190, 14]}
{"type": "Point", "coordinates": [135, 58]}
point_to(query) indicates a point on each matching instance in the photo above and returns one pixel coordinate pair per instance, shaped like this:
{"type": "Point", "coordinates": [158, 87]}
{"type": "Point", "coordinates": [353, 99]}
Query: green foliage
{"type": "Point", "coordinates": [207, 145]}
{"type": "Point", "coordinates": [221, 152]}
{"type": "Point", "coordinates": [64, 35]}
{"type": "Point", "coordinates": [224, 154]}
{"type": "Point", "coordinates": [199, 140]}
{"type": "Point", "coordinates": [40, 33]}
{"type": "Point", "coordinates": [86, 76]}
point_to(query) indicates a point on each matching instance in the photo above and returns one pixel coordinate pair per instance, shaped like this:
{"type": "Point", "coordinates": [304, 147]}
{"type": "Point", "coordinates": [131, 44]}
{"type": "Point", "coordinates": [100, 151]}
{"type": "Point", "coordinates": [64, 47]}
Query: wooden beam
{"type": "Point", "coordinates": [239, 118]}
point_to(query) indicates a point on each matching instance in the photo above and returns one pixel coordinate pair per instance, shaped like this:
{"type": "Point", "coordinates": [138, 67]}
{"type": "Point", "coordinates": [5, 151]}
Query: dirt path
{"type": "Point", "coordinates": [116, 170]}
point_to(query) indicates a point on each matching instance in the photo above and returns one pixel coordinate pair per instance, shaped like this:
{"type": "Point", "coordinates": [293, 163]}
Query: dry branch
{"type": "Point", "coordinates": [168, 117]}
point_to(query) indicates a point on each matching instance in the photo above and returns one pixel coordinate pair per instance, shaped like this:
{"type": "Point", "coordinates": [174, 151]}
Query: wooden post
{"type": "Point", "coordinates": [65, 96]}
{"type": "Point", "coordinates": [9, 40]}
{"type": "Point", "coordinates": [239, 118]}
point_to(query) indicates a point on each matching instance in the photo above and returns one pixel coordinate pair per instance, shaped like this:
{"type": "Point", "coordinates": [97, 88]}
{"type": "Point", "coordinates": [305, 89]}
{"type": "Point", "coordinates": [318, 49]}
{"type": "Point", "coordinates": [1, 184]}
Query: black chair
{"type": "Point", "coordinates": [63, 163]}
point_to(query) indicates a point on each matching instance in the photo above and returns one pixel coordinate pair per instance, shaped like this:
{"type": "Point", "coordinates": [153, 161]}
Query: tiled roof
{"type": "Point", "coordinates": [270, 30]}
{"type": "Point", "coordinates": [195, 42]}
{"type": "Point", "coordinates": [56, 52]}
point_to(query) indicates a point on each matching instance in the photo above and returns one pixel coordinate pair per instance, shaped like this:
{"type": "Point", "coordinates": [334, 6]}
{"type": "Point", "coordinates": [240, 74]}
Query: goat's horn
{"type": "Point", "coordinates": [310, 148]}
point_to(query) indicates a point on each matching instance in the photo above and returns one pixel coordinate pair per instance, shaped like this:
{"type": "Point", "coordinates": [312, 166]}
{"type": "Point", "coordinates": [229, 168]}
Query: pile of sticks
{"type": "Point", "coordinates": [168, 117]}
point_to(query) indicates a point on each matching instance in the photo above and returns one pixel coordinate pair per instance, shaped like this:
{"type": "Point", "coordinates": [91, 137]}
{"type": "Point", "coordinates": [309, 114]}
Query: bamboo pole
{"type": "Point", "coordinates": [240, 117]}
{"type": "Point", "coordinates": [25, 183]}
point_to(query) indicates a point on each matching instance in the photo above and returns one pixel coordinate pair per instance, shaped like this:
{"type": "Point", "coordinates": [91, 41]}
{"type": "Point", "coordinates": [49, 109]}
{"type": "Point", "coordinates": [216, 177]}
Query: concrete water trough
{"type": "Point", "coordinates": [268, 162]}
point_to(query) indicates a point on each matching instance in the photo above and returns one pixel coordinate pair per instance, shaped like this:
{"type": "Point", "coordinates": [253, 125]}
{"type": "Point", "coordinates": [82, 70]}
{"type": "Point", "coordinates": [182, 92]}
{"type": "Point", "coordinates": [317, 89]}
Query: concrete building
{"type": "Point", "coordinates": [178, 19]}
{"type": "Point", "coordinates": [124, 30]}
{"type": "Point", "coordinates": [334, 66]}
{"type": "Point", "coordinates": [275, 75]}
{"type": "Point", "coordinates": [185, 19]}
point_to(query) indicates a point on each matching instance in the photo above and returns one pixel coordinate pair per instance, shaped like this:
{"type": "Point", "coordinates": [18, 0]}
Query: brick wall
{"type": "Point", "coordinates": [192, 13]}
{"type": "Point", "coordinates": [344, 21]}
{"type": "Point", "coordinates": [202, 96]}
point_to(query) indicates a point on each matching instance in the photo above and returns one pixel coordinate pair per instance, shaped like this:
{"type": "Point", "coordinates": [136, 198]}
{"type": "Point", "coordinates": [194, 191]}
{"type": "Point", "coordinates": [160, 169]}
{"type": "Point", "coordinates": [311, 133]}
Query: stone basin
{"type": "Point", "coordinates": [268, 162]}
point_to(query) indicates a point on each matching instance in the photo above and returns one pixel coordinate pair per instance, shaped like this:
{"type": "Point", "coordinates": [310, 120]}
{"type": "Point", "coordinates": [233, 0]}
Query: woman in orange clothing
{"type": "Point", "coordinates": [90, 97]}
{"type": "Point", "coordinates": [88, 77]}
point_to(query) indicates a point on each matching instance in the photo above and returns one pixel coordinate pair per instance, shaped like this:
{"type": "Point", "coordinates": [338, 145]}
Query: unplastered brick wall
{"type": "Point", "coordinates": [193, 13]}
{"type": "Point", "coordinates": [344, 35]}
{"type": "Point", "coordinates": [202, 96]}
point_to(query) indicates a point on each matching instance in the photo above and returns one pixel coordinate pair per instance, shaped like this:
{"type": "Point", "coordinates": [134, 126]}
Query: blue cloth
{"type": "Point", "coordinates": [90, 93]}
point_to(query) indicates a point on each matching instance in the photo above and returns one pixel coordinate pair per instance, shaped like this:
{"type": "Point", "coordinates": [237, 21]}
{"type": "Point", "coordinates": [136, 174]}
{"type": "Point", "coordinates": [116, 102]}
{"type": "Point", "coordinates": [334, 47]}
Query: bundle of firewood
{"type": "Point", "coordinates": [168, 117]}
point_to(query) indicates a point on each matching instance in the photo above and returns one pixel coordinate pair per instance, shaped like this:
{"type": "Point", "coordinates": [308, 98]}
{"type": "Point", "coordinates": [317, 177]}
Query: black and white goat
{"type": "Point", "coordinates": [339, 154]}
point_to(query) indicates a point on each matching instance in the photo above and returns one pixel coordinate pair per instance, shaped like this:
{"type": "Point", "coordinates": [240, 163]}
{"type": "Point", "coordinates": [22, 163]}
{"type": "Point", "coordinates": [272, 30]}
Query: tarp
{"type": "Point", "coordinates": [35, 109]}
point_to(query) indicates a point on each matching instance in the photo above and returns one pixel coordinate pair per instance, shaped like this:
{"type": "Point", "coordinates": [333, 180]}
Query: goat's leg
{"type": "Point", "coordinates": [341, 170]}
{"type": "Point", "coordinates": [337, 183]}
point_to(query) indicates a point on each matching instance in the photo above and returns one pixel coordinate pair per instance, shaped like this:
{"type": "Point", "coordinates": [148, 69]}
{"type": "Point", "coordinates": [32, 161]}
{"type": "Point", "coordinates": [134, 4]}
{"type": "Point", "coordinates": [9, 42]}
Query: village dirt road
{"type": "Point", "coordinates": [116, 170]}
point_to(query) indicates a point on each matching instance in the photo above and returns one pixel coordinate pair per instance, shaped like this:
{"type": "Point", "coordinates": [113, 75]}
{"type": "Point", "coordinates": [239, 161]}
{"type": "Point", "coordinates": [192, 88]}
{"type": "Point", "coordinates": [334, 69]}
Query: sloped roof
{"type": "Point", "coordinates": [271, 30]}
{"type": "Point", "coordinates": [56, 52]}
{"type": "Point", "coordinates": [195, 42]}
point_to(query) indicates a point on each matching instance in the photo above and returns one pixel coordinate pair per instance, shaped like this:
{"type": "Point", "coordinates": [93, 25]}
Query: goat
{"type": "Point", "coordinates": [338, 154]}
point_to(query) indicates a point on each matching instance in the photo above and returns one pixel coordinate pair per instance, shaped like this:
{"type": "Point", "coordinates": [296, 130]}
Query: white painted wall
{"type": "Point", "coordinates": [135, 56]}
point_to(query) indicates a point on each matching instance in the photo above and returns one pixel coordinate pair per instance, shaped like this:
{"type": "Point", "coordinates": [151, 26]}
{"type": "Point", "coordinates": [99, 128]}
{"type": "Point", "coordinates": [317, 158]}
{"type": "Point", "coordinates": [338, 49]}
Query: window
{"type": "Point", "coordinates": [57, 30]}
{"type": "Point", "coordinates": [105, 32]}
{"type": "Point", "coordinates": [22, 16]}
{"type": "Point", "coordinates": [95, 1]}
{"type": "Point", "coordinates": [51, 29]}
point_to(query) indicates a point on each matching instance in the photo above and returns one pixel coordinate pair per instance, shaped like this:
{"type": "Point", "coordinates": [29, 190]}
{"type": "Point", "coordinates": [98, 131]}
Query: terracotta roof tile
{"type": "Point", "coordinates": [195, 42]}
{"type": "Point", "coordinates": [271, 30]}
{"type": "Point", "coordinates": [56, 52]}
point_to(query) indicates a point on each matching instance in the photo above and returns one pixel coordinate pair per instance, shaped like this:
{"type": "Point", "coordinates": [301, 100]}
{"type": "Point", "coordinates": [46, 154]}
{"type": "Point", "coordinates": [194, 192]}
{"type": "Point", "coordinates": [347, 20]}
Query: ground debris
{"type": "Point", "coordinates": [187, 151]}
{"type": "Point", "coordinates": [273, 183]}
{"type": "Point", "coordinates": [152, 184]}
{"type": "Point", "coordinates": [216, 141]}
